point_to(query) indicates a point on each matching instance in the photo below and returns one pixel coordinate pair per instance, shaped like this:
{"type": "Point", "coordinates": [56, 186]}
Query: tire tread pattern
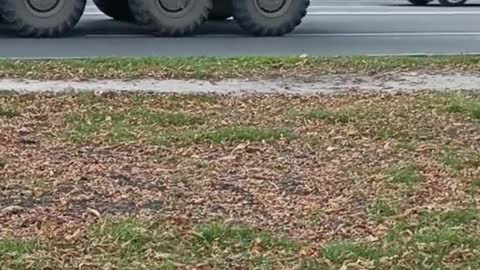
{"type": "Point", "coordinates": [247, 22]}
{"type": "Point", "coordinates": [145, 18]}
{"type": "Point", "coordinates": [24, 28]}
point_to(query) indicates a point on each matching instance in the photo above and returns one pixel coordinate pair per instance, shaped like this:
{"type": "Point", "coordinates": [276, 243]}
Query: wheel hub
{"type": "Point", "coordinates": [43, 5]}
{"type": "Point", "coordinates": [174, 5]}
{"type": "Point", "coordinates": [271, 6]}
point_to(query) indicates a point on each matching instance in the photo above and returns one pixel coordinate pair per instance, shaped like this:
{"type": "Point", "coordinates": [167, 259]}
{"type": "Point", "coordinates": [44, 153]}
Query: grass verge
{"type": "Point", "coordinates": [219, 68]}
{"type": "Point", "coordinates": [441, 240]}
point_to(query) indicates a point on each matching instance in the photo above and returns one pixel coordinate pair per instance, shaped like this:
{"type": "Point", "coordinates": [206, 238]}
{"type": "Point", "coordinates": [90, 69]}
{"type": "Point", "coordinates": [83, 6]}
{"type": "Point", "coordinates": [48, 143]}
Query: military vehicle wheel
{"type": "Point", "coordinates": [222, 10]}
{"type": "Point", "coordinates": [452, 3]}
{"type": "Point", "coordinates": [171, 17]}
{"type": "Point", "coordinates": [41, 18]}
{"type": "Point", "coordinates": [419, 2]}
{"type": "Point", "coordinates": [116, 9]}
{"type": "Point", "coordinates": [269, 17]}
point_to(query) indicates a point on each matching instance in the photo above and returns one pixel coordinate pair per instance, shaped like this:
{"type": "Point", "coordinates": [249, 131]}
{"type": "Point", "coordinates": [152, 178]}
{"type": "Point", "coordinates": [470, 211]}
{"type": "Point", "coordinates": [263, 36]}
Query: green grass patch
{"type": "Point", "coordinates": [473, 161]}
{"type": "Point", "coordinates": [431, 237]}
{"type": "Point", "coordinates": [388, 133]}
{"type": "Point", "coordinates": [448, 218]}
{"type": "Point", "coordinates": [163, 246]}
{"type": "Point", "coordinates": [459, 217]}
{"type": "Point", "coordinates": [224, 135]}
{"type": "Point", "coordinates": [462, 104]}
{"type": "Point", "coordinates": [406, 174]}
{"type": "Point", "coordinates": [189, 98]}
{"type": "Point", "coordinates": [219, 67]}
{"type": "Point", "coordinates": [405, 145]}
{"type": "Point", "coordinates": [8, 113]}
{"type": "Point", "coordinates": [127, 243]}
{"type": "Point", "coordinates": [381, 209]}
{"type": "Point", "coordinates": [134, 124]}
{"type": "Point", "coordinates": [127, 233]}
{"type": "Point", "coordinates": [245, 134]}
{"type": "Point", "coordinates": [338, 252]}
{"type": "Point", "coordinates": [14, 251]}
{"type": "Point", "coordinates": [455, 107]}
{"type": "Point", "coordinates": [126, 126]}
{"type": "Point", "coordinates": [451, 160]}
{"type": "Point", "coordinates": [475, 111]}
{"type": "Point", "coordinates": [216, 237]}
{"type": "Point", "coordinates": [86, 98]}
{"type": "Point", "coordinates": [3, 162]}
{"type": "Point", "coordinates": [475, 184]}
{"type": "Point", "coordinates": [445, 230]}
{"type": "Point", "coordinates": [428, 240]}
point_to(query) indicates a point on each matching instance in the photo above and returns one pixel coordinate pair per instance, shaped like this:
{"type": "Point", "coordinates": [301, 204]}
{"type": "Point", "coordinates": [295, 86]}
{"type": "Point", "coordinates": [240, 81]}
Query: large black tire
{"type": "Point", "coordinates": [258, 18]}
{"type": "Point", "coordinates": [46, 19]}
{"type": "Point", "coordinates": [116, 9]}
{"type": "Point", "coordinates": [452, 3]}
{"type": "Point", "coordinates": [166, 18]}
{"type": "Point", "coordinates": [222, 10]}
{"type": "Point", "coordinates": [419, 2]}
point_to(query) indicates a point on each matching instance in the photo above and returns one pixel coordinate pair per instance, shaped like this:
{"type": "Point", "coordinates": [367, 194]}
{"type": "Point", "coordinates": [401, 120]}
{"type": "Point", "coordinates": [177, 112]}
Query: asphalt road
{"type": "Point", "coordinates": [333, 27]}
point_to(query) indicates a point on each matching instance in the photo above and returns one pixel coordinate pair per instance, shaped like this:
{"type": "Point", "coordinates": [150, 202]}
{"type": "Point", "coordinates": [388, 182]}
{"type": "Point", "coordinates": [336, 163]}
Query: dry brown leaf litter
{"type": "Point", "coordinates": [316, 186]}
